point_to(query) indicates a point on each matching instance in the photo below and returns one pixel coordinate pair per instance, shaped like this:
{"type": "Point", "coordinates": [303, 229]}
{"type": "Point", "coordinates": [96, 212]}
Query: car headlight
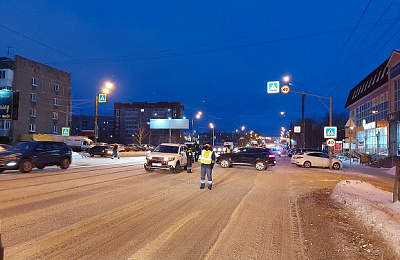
{"type": "Point", "coordinates": [14, 156]}
{"type": "Point", "coordinates": [149, 157]}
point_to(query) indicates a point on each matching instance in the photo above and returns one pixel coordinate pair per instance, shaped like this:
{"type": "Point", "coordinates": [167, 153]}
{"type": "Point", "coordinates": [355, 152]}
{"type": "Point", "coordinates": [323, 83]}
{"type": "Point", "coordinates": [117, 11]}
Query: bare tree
{"type": "Point", "coordinates": [140, 134]}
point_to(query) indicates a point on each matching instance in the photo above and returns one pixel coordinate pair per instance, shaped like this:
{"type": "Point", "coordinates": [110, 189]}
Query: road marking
{"type": "Point", "coordinates": [147, 251]}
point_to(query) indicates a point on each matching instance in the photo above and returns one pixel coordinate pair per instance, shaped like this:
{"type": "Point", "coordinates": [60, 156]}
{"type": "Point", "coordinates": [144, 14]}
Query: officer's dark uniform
{"type": "Point", "coordinates": [189, 155]}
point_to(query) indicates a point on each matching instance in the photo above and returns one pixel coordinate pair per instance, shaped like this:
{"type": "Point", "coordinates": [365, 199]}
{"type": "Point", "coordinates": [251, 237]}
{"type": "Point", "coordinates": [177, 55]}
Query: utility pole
{"type": "Point", "coordinates": [303, 135]}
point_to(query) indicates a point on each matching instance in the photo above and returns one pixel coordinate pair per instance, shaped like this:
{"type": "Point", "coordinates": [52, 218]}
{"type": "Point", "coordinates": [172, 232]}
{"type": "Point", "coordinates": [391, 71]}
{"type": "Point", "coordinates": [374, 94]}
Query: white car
{"type": "Point", "coordinates": [315, 159]}
{"type": "Point", "coordinates": [167, 156]}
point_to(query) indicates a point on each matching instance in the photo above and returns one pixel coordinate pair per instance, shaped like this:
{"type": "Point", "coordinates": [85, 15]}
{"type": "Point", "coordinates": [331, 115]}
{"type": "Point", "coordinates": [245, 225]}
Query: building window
{"type": "Point", "coordinates": [33, 97]}
{"type": "Point", "coordinates": [2, 74]}
{"type": "Point", "coordinates": [32, 112]}
{"type": "Point", "coordinates": [55, 129]}
{"type": "Point", "coordinates": [32, 128]}
{"type": "Point", "coordinates": [34, 82]}
{"type": "Point", "coordinates": [55, 115]}
{"type": "Point", "coordinates": [55, 101]}
{"type": "Point", "coordinates": [56, 87]}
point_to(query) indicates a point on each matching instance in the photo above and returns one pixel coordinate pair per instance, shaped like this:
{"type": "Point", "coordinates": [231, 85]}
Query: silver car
{"type": "Point", "coordinates": [315, 159]}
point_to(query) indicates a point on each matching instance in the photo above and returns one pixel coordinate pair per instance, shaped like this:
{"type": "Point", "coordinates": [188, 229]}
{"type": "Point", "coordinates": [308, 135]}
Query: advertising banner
{"type": "Point", "coordinates": [6, 104]}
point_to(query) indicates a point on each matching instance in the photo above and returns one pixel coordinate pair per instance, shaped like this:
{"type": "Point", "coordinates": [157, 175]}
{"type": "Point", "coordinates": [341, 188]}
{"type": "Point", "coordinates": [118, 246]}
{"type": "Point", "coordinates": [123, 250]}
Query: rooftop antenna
{"type": "Point", "coordinates": [8, 50]}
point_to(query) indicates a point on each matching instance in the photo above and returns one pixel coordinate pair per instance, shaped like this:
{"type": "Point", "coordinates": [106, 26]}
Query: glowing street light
{"type": "Point", "coordinates": [213, 137]}
{"type": "Point", "coordinates": [106, 90]}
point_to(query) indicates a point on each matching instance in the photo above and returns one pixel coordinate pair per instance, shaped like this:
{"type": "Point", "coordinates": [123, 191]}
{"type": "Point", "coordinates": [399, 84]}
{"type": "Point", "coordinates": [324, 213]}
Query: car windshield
{"type": "Point", "coordinates": [166, 149]}
{"type": "Point", "coordinates": [24, 146]}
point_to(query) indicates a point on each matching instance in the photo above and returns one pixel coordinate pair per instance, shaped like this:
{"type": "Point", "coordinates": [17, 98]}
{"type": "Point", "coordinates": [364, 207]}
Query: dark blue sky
{"type": "Point", "coordinates": [213, 56]}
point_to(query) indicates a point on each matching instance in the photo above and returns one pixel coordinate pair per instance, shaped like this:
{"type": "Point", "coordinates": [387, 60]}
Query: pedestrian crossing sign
{"type": "Point", "coordinates": [330, 132]}
{"type": "Point", "coordinates": [65, 131]}
{"type": "Point", "coordinates": [272, 87]}
{"type": "Point", "coordinates": [102, 98]}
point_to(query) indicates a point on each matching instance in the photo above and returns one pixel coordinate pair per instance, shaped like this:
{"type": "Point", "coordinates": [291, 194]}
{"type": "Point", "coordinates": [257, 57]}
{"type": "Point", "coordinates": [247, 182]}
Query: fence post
{"type": "Point", "coordinates": [396, 189]}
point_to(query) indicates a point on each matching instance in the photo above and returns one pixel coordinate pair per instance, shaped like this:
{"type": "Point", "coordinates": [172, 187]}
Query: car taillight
{"type": "Point", "coordinates": [299, 157]}
{"type": "Point", "coordinates": [271, 156]}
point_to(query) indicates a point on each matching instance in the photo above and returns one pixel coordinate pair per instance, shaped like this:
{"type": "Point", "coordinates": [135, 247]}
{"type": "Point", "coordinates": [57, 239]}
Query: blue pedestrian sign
{"type": "Point", "coordinates": [102, 98]}
{"type": "Point", "coordinates": [330, 132]}
{"type": "Point", "coordinates": [272, 87]}
{"type": "Point", "coordinates": [65, 131]}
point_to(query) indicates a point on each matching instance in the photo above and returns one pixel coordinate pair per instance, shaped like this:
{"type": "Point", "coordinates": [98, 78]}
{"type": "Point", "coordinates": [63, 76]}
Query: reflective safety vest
{"type": "Point", "coordinates": [206, 156]}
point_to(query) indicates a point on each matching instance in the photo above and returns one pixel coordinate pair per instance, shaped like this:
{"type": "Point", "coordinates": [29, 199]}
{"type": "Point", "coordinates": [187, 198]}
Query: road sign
{"type": "Point", "coordinates": [330, 132]}
{"type": "Point", "coordinates": [102, 98]}
{"type": "Point", "coordinates": [272, 87]}
{"type": "Point", "coordinates": [65, 131]}
{"type": "Point", "coordinates": [330, 142]}
{"type": "Point", "coordinates": [285, 89]}
{"type": "Point", "coordinates": [297, 129]}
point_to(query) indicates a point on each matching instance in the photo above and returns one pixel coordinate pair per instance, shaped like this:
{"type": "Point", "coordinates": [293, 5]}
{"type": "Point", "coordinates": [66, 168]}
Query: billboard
{"type": "Point", "coordinates": [6, 104]}
{"type": "Point", "coordinates": [169, 123]}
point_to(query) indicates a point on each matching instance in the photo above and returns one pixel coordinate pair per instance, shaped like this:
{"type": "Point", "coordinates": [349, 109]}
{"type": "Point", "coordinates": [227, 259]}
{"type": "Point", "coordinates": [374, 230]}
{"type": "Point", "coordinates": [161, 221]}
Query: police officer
{"type": "Point", "coordinates": [207, 160]}
{"type": "Point", "coordinates": [189, 156]}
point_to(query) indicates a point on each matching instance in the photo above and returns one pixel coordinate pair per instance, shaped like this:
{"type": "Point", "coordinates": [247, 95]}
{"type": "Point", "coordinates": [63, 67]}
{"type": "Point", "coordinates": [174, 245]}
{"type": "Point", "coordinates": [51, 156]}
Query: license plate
{"type": "Point", "coordinates": [156, 164]}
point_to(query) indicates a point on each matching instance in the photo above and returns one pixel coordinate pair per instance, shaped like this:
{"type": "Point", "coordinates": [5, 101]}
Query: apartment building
{"type": "Point", "coordinates": [42, 98]}
{"type": "Point", "coordinates": [132, 122]}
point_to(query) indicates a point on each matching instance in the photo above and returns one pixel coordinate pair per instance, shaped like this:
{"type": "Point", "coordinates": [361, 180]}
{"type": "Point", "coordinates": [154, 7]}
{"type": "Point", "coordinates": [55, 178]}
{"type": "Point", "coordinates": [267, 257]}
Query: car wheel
{"type": "Point", "coordinates": [307, 164]}
{"type": "Point", "coordinates": [148, 169]}
{"type": "Point", "coordinates": [224, 163]}
{"type": "Point", "coordinates": [261, 166]}
{"type": "Point", "coordinates": [177, 168]}
{"type": "Point", "coordinates": [336, 166]}
{"type": "Point", "coordinates": [92, 155]}
{"type": "Point", "coordinates": [1, 170]}
{"type": "Point", "coordinates": [25, 166]}
{"type": "Point", "coordinates": [65, 162]}
{"type": "Point", "coordinates": [40, 167]}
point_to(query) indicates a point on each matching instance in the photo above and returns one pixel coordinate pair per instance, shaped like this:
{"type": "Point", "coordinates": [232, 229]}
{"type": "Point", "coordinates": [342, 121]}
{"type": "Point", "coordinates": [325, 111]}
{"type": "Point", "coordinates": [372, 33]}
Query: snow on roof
{"type": "Point", "coordinates": [373, 206]}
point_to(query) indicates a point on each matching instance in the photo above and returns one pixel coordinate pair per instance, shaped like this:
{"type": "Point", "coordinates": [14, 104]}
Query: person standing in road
{"type": "Point", "coordinates": [115, 152]}
{"type": "Point", "coordinates": [189, 156]}
{"type": "Point", "coordinates": [207, 160]}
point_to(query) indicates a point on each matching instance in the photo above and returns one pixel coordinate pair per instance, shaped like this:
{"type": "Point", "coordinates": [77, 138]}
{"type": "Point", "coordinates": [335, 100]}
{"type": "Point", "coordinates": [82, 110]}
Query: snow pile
{"type": "Point", "coordinates": [373, 206]}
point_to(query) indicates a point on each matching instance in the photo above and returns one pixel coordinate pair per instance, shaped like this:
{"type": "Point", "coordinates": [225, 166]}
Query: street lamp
{"type": "Point", "coordinates": [303, 94]}
{"type": "Point", "coordinates": [106, 90]}
{"type": "Point", "coordinates": [290, 130]}
{"type": "Point", "coordinates": [213, 137]}
{"type": "Point", "coordinates": [198, 116]}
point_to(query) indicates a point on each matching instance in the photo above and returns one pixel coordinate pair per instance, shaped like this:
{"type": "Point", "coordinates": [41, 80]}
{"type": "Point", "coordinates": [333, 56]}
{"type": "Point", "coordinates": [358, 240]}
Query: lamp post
{"type": "Point", "coordinates": [198, 116]}
{"type": "Point", "coordinates": [213, 136]}
{"type": "Point", "coordinates": [106, 89]}
{"type": "Point", "coordinates": [290, 129]}
{"type": "Point", "coordinates": [303, 94]}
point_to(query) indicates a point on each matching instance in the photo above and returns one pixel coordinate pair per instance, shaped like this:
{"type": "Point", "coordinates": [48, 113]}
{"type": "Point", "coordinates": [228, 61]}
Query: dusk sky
{"type": "Point", "coordinates": [212, 56]}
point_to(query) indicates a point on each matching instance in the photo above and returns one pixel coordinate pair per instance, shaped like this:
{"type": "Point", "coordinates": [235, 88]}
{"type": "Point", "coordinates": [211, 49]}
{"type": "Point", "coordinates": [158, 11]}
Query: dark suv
{"type": "Point", "coordinates": [24, 156]}
{"type": "Point", "coordinates": [102, 150]}
{"type": "Point", "coordinates": [261, 158]}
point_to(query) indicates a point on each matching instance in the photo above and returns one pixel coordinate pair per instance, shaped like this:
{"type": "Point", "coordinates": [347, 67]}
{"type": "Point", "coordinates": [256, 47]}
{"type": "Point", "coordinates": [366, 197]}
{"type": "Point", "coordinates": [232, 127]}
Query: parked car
{"type": "Point", "coordinates": [27, 155]}
{"type": "Point", "coordinates": [167, 156]}
{"type": "Point", "coordinates": [315, 159]}
{"type": "Point", "coordinates": [260, 158]}
{"type": "Point", "coordinates": [302, 150]}
{"type": "Point", "coordinates": [148, 147]}
{"type": "Point", "coordinates": [103, 150]}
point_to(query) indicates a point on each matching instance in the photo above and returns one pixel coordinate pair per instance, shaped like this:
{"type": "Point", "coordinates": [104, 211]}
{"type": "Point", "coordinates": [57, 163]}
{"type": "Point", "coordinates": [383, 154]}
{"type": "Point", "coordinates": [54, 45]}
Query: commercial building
{"type": "Point", "coordinates": [42, 98]}
{"type": "Point", "coordinates": [132, 122]}
{"type": "Point", "coordinates": [374, 106]}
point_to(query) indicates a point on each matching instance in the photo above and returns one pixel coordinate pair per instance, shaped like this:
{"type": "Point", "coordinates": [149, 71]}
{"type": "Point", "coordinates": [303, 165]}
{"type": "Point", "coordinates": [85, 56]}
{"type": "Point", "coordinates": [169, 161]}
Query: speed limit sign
{"type": "Point", "coordinates": [285, 89]}
{"type": "Point", "coordinates": [330, 142]}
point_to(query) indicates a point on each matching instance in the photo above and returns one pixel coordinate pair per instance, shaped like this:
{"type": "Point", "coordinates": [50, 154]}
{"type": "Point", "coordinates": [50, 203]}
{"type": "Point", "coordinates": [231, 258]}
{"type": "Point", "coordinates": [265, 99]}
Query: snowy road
{"type": "Point", "coordinates": [112, 209]}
